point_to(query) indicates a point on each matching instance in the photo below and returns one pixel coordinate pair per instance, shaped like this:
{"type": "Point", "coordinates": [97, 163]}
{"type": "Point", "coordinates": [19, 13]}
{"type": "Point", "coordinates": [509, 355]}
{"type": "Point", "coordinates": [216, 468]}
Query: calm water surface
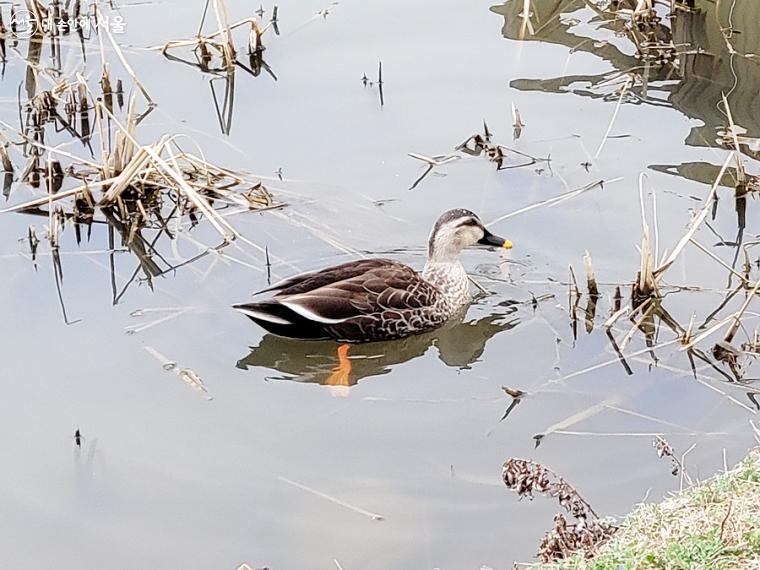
{"type": "Point", "coordinates": [166, 478]}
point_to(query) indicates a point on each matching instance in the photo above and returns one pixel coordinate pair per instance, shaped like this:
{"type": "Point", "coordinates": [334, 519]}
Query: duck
{"type": "Point", "coordinates": [377, 299]}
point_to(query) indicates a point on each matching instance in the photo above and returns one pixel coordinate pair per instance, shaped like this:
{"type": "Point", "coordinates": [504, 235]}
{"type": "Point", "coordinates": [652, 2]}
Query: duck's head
{"type": "Point", "coordinates": [458, 229]}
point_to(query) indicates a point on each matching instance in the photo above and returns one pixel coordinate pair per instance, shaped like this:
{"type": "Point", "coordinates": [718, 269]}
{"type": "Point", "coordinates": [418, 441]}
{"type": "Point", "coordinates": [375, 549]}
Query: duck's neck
{"type": "Point", "coordinates": [450, 278]}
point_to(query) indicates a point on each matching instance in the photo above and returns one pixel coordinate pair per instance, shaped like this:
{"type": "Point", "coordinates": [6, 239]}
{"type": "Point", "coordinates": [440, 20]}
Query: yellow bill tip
{"type": "Point", "coordinates": [507, 244]}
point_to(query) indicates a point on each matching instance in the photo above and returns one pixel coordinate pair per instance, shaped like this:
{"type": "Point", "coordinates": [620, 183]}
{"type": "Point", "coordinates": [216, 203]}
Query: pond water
{"type": "Point", "coordinates": [399, 466]}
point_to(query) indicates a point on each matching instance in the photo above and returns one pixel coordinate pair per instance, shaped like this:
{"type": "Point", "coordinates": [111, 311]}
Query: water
{"type": "Point", "coordinates": [166, 477]}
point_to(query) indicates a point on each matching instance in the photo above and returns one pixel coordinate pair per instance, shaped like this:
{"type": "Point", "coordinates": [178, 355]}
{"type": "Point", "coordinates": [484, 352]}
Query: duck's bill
{"type": "Point", "coordinates": [491, 240]}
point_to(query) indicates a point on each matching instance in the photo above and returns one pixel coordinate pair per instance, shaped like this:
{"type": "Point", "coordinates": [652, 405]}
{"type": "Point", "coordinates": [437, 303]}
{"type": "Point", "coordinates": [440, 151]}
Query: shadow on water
{"type": "Point", "coordinates": [685, 60]}
{"type": "Point", "coordinates": [460, 344]}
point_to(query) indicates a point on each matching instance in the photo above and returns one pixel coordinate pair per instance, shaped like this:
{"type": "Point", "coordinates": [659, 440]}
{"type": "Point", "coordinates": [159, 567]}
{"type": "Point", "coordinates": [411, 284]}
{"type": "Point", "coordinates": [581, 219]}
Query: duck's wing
{"type": "Point", "coordinates": [355, 295]}
{"type": "Point", "coordinates": [374, 287]}
{"type": "Point", "coordinates": [311, 280]}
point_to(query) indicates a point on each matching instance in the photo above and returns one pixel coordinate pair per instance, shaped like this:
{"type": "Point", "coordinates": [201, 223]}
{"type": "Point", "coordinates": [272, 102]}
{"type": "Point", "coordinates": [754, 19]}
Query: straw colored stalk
{"type": "Point", "coordinates": [209, 40]}
{"type": "Point", "coordinates": [695, 222]}
{"type": "Point", "coordinates": [173, 174]}
{"type": "Point", "coordinates": [593, 289]}
{"type": "Point", "coordinates": [220, 11]}
{"type": "Point", "coordinates": [48, 199]}
{"type": "Point", "coordinates": [626, 86]}
{"type": "Point", "coordinates": [741, 175]}
{"type": "Point", "coordinates": [526, 23]}
{"type": "Point", "coordinates": [5, 160]}
{"type": "Point", "coordinates": [646, 284]}
{"type": "Point", "coordinates": [734, 328]}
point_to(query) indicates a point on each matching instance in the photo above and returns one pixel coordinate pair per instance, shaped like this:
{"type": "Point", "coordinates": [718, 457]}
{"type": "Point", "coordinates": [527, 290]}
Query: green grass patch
{"type": "Point", "coordinates": [713, 526]}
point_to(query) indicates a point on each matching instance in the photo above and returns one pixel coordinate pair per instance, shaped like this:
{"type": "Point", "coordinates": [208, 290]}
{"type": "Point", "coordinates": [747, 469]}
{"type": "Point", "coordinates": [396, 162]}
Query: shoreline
{"type": "Point", "coordinates": [713, 525]}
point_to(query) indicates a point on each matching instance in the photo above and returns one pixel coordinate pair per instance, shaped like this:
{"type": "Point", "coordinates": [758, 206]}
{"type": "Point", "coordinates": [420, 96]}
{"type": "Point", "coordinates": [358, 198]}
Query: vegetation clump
{"type": "Point", "coordinates": [713, 525]}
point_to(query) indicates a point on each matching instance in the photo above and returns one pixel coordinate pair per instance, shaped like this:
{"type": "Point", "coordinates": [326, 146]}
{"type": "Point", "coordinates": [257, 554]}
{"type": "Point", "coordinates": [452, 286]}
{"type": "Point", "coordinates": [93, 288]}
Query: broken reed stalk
{"type": "Point", "coordinates": [526, 23]}
{"type": "Point", "coordinates": [5, 159]}
{"type": "Point", "coordinates": [645, 285]}
{"type": "Point", "coordinates": [593, 293]}
{"type": "Point", "coordinates": [695, 222]}
{"type": "Point", "coordinates": [203, 18]}
{"type": "Point", "coordinates": [255, 43]}
{"type": "Point", "coordinates": [127, 67]}
{"type": "Point", "coordinates": [41, 146]}
{"type": "Point", "coordinates": [222, 21]}
{"type": "Point", "coordinates": [38, 11]}
{"type": "Point", "coordinates": [651, 268]}
{"type": "Point", "coordinates": [222, 42]}
{"type": "Point", "coordinates": [734, 328]}
{"type": "Point", "coordinates": [707, 332]}
{"type": "Point", "coordinates": [593, 289]}
{"type": "Point", "coordinates": [59, 196]}
{"type": "Point", "coordinates": [207, 39]}
{"type": "Point", "coordinates": [741, 175]}
{"type": "Point", "coordinates": [227, 232]}
{"type": "Point", "coordinates": [573, 291]}
{"type": "Point", "coordinates": [623, 91]}
{"type": "Point", "coordinates": [615, 316]}
{"type": "Point", "coordinates": [719, 261]}
{"type": "Point", "coordinates": [555, 200]}
{"type": "Point", "coordinates": [655, 222]}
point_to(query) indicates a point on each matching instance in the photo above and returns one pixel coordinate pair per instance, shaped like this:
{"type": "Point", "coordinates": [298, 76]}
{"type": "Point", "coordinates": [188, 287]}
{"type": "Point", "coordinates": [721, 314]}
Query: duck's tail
{"type": "Point", "coordinates": [279, 319]}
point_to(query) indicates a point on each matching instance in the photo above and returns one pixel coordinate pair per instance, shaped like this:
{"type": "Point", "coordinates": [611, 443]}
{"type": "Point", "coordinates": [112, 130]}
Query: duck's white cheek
{"type": "Point", "coordinates": [474, 235]}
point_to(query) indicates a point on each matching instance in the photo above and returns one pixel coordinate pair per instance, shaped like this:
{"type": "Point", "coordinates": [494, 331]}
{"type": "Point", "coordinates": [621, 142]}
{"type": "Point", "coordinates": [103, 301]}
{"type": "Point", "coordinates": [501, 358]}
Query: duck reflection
{"type": "Point", "coordinates": [459, 343]}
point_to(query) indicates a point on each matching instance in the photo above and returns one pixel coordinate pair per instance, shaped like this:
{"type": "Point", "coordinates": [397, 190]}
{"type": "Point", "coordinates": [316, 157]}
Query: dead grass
{"type": "Point", "coordinates": [149, 193]}
{"type": "Point", "coordinates": [712, 525]}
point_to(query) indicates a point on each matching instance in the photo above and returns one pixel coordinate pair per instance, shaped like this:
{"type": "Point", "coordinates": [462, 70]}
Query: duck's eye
{"type": "Point", "coordinates": [469, 222]}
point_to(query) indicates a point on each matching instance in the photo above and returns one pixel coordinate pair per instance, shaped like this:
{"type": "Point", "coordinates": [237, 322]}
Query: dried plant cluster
{"type": "Point", "coordinates": [646, 306]}
{"type": "Point", "coordinates": [714, 524]}
{"type": "Point", "coordinates": [643, 24]}
{"type": "Point", "coordinates": [585, 533]}
{"type": "Point", "coordinates": [215, 54]}
{"type": "Point", "coordinates": [145, 193]}
{"type": "Point", "coordinates": [56, 20]}
{"type": "Point", "coordinates": [664, 449]}
{"type": "Point", "coordinates": [651, 27]}
{"type": "Point", "coordinates": [481, 144]}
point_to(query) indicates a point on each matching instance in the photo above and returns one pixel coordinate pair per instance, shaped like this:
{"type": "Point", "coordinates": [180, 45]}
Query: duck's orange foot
{"type": "Point", "coordinates": [341, 374]}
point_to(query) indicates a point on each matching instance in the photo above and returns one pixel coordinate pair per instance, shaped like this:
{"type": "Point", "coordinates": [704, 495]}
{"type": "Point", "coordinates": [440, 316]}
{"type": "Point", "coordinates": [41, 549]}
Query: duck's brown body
{"type": "Point", "coordinates": [377, 299]}
{"type": "Point", "coordinates": [373, 299]}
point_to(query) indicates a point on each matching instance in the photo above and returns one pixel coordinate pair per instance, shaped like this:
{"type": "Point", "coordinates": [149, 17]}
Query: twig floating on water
{"type": "Point", "coordinates": [366, 513]}
{"type": "Point", "coordinates": [623, 91]}
{"type": "Point", "coordinates": [187, 375]}
{"type": "Point", "coordinates": [555, 199]}
{"type": "Point", "coordinates": [517, 123]}
{"type": "Point", "coordinates": [575, 418]}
